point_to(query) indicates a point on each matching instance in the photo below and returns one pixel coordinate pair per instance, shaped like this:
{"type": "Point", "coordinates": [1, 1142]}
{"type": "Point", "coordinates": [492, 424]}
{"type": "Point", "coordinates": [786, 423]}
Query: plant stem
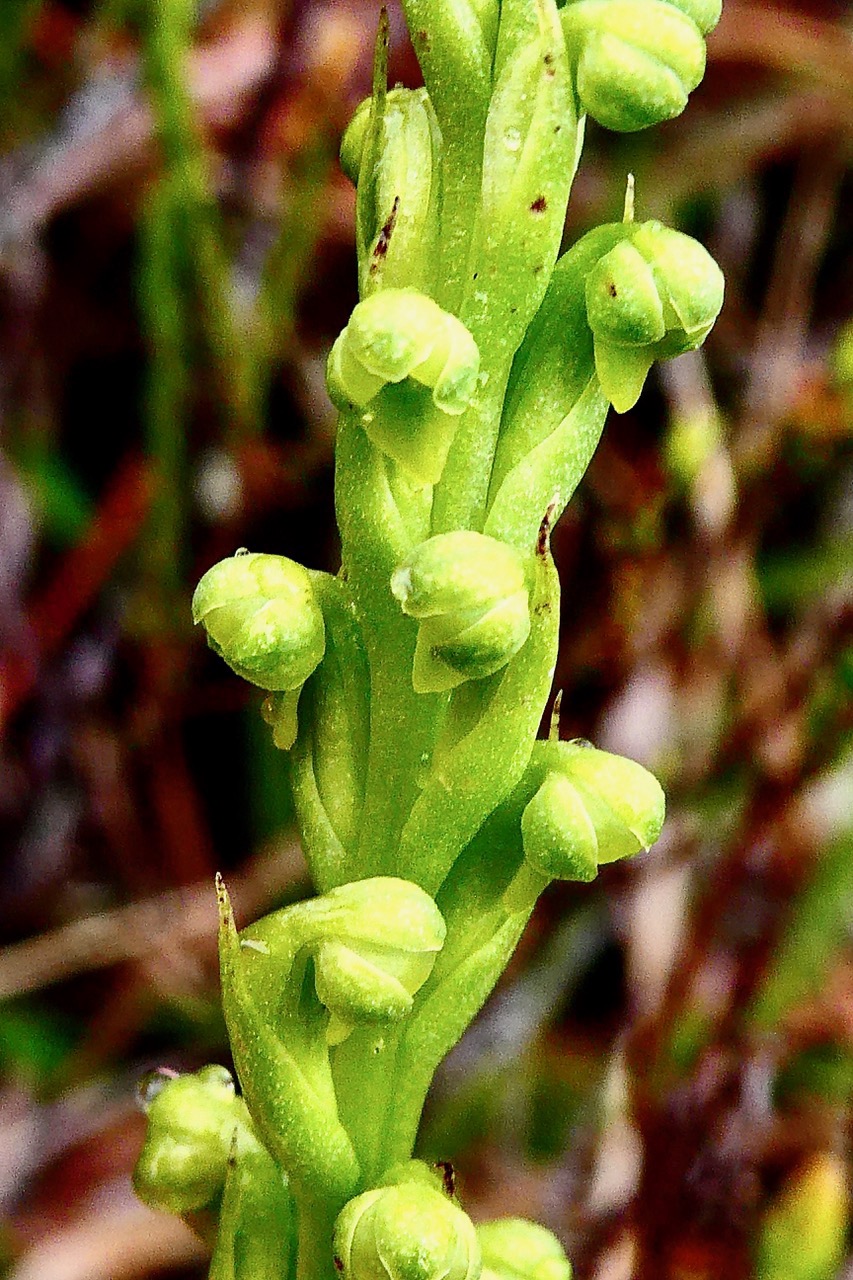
{"type": "Point", "coordinates": [314, 1252]}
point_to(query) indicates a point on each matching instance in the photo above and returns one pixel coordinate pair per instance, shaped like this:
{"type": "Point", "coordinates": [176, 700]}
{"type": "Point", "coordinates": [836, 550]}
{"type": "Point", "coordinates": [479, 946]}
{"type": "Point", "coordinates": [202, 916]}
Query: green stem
{"type": "Point", "coordinates": [314, 1249]}
{"type": "Point", "coordinates": [403, 724]}
{"type": "Point", "coordinates": [366, 1082]}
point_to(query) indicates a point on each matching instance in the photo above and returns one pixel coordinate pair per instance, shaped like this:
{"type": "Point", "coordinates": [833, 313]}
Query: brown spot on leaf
{"type": "Point", "coordinates": [384, 238]}
{"type": "Point", "coordinates": [448, 1176]}
{"type": "Point", "coordinates": [540, 204]}
{"type": "Point", "coordinates": [545, 529]}
{"type": "Point", "coordinates": [339, 1266]}
{"type": "Point", "coordinates": [611, 289]}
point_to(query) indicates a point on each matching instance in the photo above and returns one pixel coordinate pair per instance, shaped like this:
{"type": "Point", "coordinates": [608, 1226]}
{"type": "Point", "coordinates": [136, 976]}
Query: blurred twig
{"type": "Point", "coordinates": [186, 917]}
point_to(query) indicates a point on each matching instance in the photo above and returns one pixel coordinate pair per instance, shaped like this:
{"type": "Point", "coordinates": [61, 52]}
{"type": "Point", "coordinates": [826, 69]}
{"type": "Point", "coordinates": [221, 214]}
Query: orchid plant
{"type": "Point", "coordinates": [473, 381]}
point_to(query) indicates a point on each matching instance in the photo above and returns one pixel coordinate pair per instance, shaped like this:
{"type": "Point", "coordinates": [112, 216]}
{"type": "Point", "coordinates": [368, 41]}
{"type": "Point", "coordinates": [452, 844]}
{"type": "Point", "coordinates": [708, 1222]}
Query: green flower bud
{"type": "Point", "coordinates": [610, 292]}
{"type": "Point", "coordinates": [399, 189]}
{"type": "Point", "coordinates": [558, 833]}
{"type": "Point", "coordinates": [469, 594]}
{"type": "Point", "coordinates": [406, 1232]}
{"type": "Point", "coordinates": [192, 1120]}
{"type": "Point", "coordinates": [387, 940]}
{"type": "Point", "coordinates": [635, 61]}
{"type": "Point", "coordinates": [374, 944]}
{"type": "Point", "coordinates": [261, 616]}
{"type": "Point", "coordinates": [515, 1249]}
{"type": "Point", "coordinates": [413, 368]}
{"type": "Point", "coordinates": [590, 808]}
{"type": "Point", "coordinates": [654, 295]}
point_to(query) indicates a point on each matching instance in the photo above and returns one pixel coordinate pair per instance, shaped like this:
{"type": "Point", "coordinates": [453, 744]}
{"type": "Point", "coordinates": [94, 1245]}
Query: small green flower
{"type": "Point", "coordinates": [192, 1120]}
{"type": "Point", "coordinates": [412, 368]}
{"type": "Point", "coordinates": [469, 594]}
{"type": "Point", "coordinates": [260, 614]}
{"type": "Point", "coordinates": [654, 295]}
{"type": "Point", "coordinates": [387, 935]}
{"type": "Point", "coordinates": [636, 61]}
{"type": "Point", "coordinates": [373, 942]}
{"type": "Point", "coordinates": [590, 808]}
{"type": "Point", "coordinates": [202, 1159]}
{"type": "Point", "coordinates": [406, 1232]}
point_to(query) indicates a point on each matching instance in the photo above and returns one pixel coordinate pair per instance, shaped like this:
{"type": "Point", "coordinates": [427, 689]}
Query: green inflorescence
{"type": "Point", "coordinates": [473, 380]}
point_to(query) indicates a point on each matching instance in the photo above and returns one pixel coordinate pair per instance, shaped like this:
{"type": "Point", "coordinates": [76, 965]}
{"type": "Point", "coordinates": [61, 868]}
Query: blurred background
{"type": "Point", "coordinates": [665, 1075]}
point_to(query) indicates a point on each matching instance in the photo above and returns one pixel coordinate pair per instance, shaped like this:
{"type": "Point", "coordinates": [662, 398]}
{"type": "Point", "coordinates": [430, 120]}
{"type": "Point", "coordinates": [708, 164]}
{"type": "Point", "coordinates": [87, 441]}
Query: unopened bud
{"type": "Point", "coordinates": [191, 1125]}
{"type": "Point", "coordinates": [261, 616]}
{"type": "Point", "coordinates": [413, 369]}
{"type": "Point", "coordinates": [635, 61]}
{"type": "Point", "coordinates": [654, 295]}
{"type": "Point", "coordinates": [591, 808]}
{"type": "Point", "coordinates": [469, 594]}
{"type": "Point", "coordinates": [406, 1232]}
{"type": "Point", "coordinates": [374, 944]}
{"type": "Point", "coordinates": [388, 937]}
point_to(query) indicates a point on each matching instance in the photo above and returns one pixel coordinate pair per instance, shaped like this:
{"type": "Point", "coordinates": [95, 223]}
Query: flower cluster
{"type": "Point", "coordinates": [473, 381]}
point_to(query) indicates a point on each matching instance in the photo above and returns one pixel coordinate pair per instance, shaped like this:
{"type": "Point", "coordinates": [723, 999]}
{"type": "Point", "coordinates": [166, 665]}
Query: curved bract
{"type": "Point", "coordinates": [392, 151]}
{"type": "Point", "coordinates": [635, 62]}
{"type": "Point", "coordinates": [473, 380]}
